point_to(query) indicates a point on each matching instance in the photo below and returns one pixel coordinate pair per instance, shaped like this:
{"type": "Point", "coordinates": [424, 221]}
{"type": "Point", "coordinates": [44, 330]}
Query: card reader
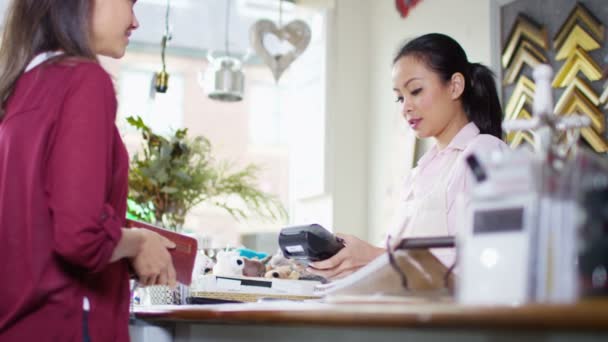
{"type": "Point", "coordinates": [310, 242]}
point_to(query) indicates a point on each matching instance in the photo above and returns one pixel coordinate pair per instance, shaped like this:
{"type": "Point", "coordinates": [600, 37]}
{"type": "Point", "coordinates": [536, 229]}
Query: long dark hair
{"type": "Point", "coordinates": [446, 57]}
{"type": "Point", "coordinates": [35, 26]}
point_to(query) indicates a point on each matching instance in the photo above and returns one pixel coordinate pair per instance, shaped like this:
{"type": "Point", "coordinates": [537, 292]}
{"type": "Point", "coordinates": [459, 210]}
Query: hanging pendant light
{"type": "Point", "coordinates": [224, 79]}
{"type": "Point", "coordinates": [160, 80]}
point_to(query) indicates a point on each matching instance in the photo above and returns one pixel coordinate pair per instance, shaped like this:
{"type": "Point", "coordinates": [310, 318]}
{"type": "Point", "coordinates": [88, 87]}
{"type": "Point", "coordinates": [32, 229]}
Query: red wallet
{"type": "Point", "coordinates": [183, 254]}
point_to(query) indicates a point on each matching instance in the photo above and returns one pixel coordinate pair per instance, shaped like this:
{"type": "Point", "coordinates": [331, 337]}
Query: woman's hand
{"type": "Point", "coordinates": [149, 256]}
{"type": "Point", "coordinates": [153, 263]}
{"type": "Point", "coordinates": [355, 254]}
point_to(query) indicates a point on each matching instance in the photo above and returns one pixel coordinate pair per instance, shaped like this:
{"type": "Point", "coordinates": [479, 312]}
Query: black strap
{"type": "Point", "coordinates": [427, 242]}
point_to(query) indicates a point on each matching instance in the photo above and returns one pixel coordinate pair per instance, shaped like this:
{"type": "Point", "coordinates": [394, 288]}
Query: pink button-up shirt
{"type": "Point", "coordinates": [429, 167]}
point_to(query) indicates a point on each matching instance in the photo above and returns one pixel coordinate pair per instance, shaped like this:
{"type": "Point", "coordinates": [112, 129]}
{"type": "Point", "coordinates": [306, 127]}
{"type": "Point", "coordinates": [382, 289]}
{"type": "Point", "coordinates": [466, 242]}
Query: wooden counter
{"type": "Point", "coordinates": [589, 317]}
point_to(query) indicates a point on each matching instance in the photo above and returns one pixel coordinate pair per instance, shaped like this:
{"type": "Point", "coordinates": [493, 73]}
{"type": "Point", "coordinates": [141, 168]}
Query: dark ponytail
{"type": "Point", "coordinates": [446, 57]}
{"type": "Point", "coordinates": [480, 100]}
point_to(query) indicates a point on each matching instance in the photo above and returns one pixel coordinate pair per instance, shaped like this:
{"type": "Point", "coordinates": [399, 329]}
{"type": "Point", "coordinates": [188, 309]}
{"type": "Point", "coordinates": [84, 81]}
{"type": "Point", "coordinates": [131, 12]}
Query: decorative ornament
{"type": "Point", "coordinates": [161, 79]}
{"type": "Point", "coordinates": [296, 33]}
{"type": "Point", "coordinates": [580, 34]}
{"type": "Point", "coordinates": [404, 6]}
{"type": "Point", "coordinates": [526, 45]}
{"type": "Point", "coordinates": [524, 30]}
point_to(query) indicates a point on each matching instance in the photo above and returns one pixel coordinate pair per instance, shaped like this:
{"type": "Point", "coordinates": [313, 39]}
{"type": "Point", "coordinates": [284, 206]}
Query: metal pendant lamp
{"type": "Point", "coordinates": [224, 79]}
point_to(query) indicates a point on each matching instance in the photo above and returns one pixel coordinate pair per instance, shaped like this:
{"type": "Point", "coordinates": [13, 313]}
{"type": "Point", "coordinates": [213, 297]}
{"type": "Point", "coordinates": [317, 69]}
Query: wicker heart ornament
{"type": "Point", "coordinates": [296, 33]}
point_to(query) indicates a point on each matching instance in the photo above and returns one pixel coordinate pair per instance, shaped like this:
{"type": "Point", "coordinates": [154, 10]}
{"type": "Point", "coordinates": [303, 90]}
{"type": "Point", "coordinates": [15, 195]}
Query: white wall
{"type": "Point", "coordinates": [370, 147]}
{"type": "Point", "coordinates": [347, 114]}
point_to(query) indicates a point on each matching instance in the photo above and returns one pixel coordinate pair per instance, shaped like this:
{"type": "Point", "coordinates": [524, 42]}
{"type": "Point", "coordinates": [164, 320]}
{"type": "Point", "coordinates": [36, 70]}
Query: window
{"type": "Point", "coordinates": [267, 126]}
{"type": "Point", "coordinates": [162, 112]}
{"type": "Point", "coordinates": [280, 127]}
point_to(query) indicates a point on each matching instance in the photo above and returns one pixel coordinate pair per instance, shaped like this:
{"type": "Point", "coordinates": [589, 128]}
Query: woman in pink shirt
{"type": "Point", "coordinates": [443, 96]}
{"type": "Point", "coordinates": [64, 250]}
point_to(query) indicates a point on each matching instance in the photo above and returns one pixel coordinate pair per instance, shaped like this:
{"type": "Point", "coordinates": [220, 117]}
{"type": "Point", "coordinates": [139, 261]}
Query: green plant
{"type": "Point", "coordinates": [175, 173]}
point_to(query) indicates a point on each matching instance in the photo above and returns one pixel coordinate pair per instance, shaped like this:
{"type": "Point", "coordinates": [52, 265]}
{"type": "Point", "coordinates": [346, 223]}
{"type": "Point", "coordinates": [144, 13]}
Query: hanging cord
{"type": "Point", "coordinates": [161, 79]}
{"type": "Point", "coordinates": [393, 262]}
{"type": "Point", "coordinates": [280, 13]}
{"type": "Point", "coordinates": [167, 36]}
{"type": "Point", "coordinates": [227, 31]}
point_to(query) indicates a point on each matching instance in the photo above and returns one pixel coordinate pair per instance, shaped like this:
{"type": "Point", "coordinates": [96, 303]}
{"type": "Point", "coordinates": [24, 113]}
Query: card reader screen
{"type": "Point", "coordinates": [498, 220]}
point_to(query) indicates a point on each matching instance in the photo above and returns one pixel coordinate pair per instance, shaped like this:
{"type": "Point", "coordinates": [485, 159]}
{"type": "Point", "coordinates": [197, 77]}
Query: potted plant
{"type": "Point", "coordinates": [173, 174]}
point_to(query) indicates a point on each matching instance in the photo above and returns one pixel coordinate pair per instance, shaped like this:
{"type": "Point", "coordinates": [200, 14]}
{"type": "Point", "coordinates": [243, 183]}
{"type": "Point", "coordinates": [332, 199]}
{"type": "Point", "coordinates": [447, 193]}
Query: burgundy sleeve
{"type": "Point", "coordinates": [86, 229]}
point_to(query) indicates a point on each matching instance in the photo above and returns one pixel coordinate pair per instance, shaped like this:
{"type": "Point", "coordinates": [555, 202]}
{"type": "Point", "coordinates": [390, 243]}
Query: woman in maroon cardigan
{"type": "Point", "coordinates": [63, 177]}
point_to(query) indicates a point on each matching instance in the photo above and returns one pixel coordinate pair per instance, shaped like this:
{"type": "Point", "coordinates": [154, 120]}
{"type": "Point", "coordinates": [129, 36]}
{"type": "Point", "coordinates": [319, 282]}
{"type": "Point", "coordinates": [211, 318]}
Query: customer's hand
{"type": "Point", "coordinates": [153, 263]}
{"type": "Point", "coordinates": [355, 254]}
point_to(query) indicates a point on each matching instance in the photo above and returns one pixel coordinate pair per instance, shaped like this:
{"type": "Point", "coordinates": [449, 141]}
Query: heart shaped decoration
{"type": "Point", "coordinates": [296, 33]}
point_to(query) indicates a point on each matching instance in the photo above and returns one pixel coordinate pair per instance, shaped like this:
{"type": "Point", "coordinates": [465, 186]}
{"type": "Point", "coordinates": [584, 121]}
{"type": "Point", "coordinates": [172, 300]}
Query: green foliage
{"type": "Point", "coordinates": [175, 173]}
{"type": "Point", "coordinates": [139, 212]}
